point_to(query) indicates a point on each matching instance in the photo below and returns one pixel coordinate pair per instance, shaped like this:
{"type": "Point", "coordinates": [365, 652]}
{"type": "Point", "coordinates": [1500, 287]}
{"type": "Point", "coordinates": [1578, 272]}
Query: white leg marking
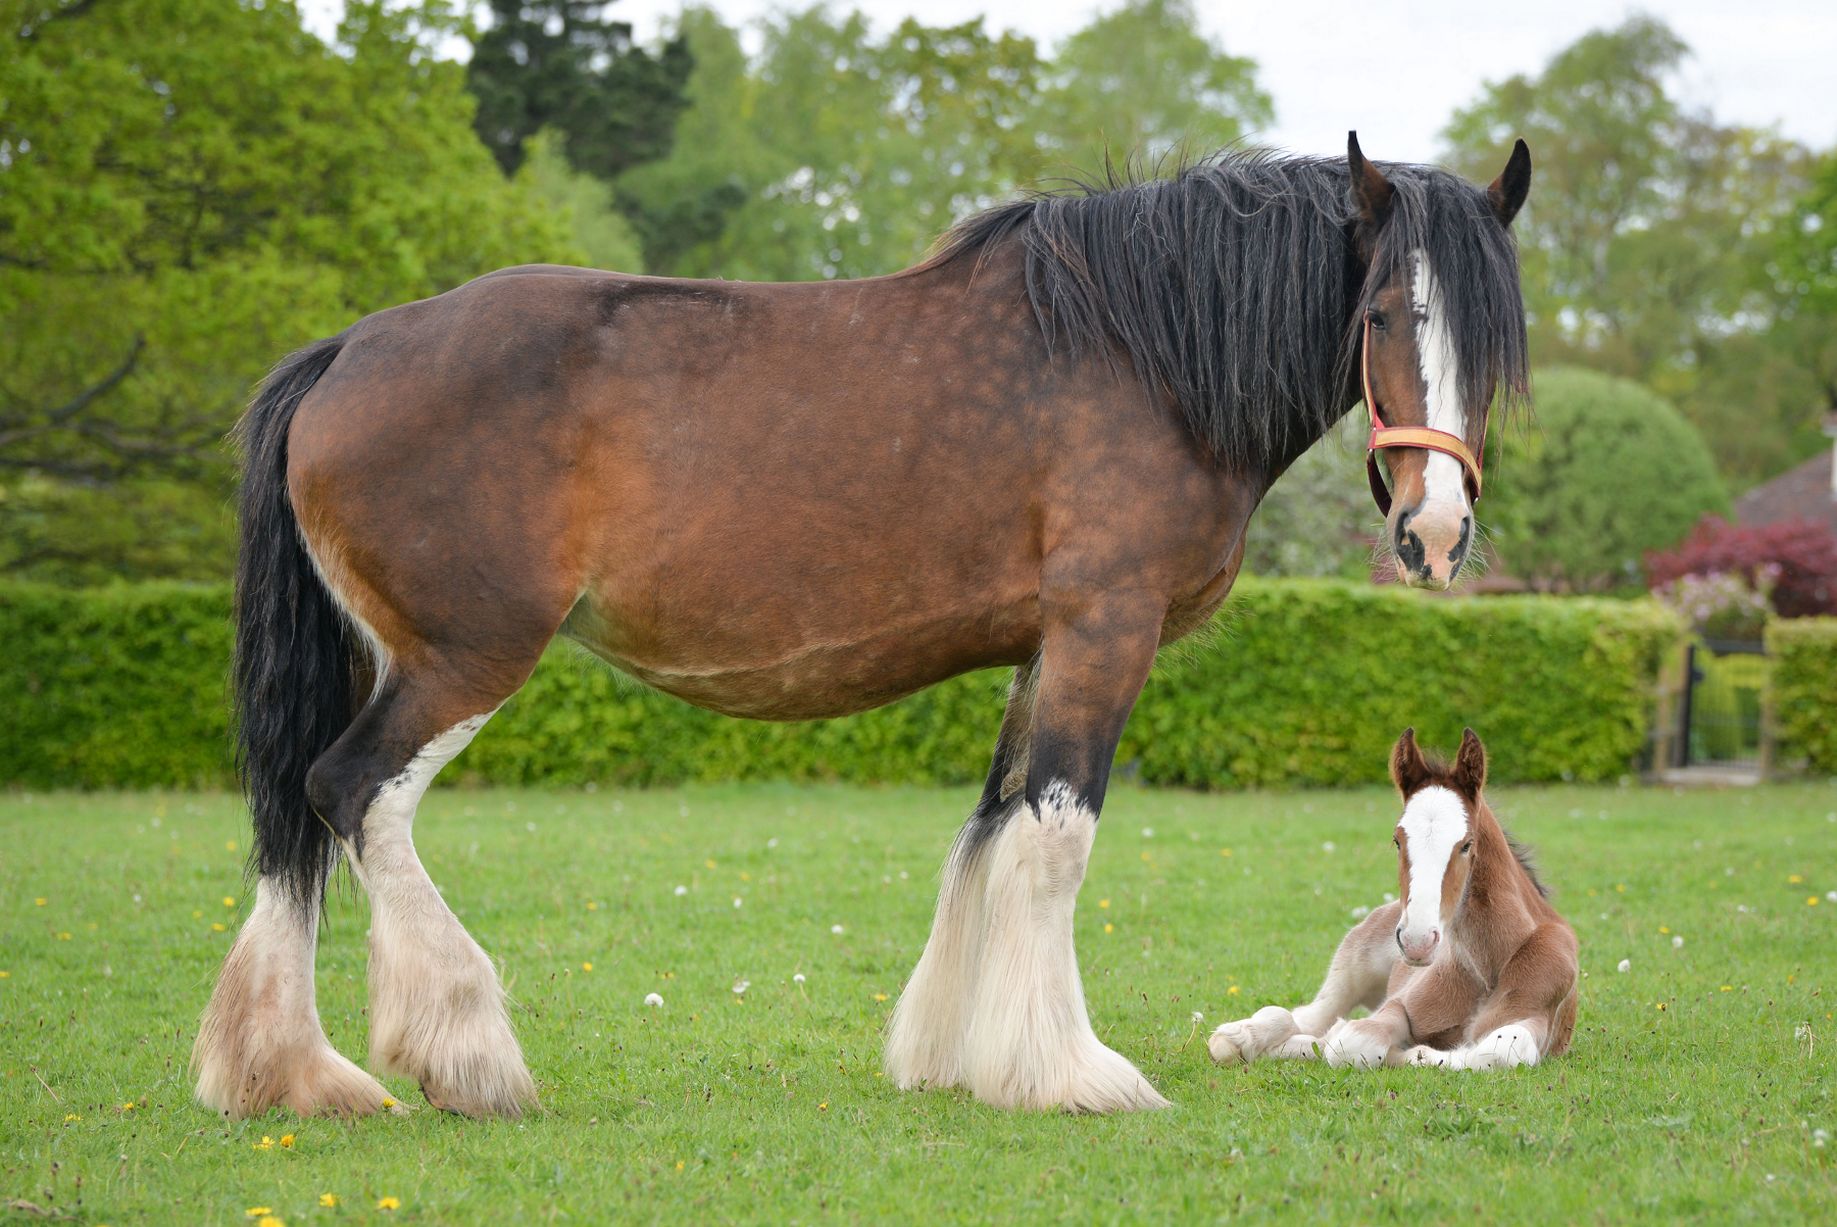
{"type": "Point", "coordinates": [930, 1023]}
{"type": "Point", "coordinates": [1509, 1046]}
{"type": "Point", "coordinates": [1030, 1042]}
{"type": "Point", "coordinates": [1356, 1043]}
{"type": "Point", "coordinates": [1253, 1037]}
{"type": "Point", "coordinates": [436, 1008]}
{"type": "Point", "coordinates": [260, 1042]}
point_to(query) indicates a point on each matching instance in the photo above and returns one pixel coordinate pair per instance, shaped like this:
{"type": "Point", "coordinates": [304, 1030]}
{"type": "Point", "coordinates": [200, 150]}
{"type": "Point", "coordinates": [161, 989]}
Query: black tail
{"type": "Point", "coordinates": [295, 665]}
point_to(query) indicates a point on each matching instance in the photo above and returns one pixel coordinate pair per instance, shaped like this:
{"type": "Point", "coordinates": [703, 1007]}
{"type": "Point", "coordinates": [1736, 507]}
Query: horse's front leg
{"type": "Point", "coordinates": [1029, 1042]}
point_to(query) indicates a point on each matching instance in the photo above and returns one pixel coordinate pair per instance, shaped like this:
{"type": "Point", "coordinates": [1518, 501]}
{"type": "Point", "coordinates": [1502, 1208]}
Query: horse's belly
{"type": "Point", "coordinates": [797, 678]}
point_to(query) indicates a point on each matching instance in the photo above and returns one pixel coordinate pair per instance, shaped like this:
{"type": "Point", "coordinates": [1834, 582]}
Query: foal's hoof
{"type": "Point", "coordinates": [1226, 1046]}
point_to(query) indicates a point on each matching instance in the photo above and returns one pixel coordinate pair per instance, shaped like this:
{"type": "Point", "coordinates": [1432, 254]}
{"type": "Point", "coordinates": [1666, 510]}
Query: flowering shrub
{"type": "Point", "coordinates": [1804, 552]}
{"type": "Point", "coordinates": [1723, 605]}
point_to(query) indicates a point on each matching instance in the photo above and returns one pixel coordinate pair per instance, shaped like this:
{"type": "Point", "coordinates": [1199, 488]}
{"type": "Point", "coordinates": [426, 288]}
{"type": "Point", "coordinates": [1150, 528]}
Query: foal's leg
{"type": "Point", "coordinates": [925, 1038]}
{"type": "Point", "coordinates": [1030, 1042]}
{"type": "Point", "coordinates": [1360, 970]}
{"type": "Point", "coordinates": [260, 1042]}
{"type": "Point", "coordinates": [1513, 1025]}
{"type": "Point", "coordinates": [437, 1012]}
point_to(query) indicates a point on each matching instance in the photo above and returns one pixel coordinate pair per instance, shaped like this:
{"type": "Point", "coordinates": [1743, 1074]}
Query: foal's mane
{"type": "Point", "coordinates": [1233, 287]}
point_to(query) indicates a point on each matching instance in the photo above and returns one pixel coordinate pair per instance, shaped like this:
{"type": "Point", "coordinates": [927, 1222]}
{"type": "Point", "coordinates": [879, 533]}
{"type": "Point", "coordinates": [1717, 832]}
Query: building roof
{"type": "Point", "coordinates": [1802, 493]}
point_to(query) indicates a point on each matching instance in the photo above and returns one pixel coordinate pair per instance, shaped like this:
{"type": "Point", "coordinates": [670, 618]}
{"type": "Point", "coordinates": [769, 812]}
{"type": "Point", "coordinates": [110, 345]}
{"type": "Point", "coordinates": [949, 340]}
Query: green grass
{"type": "Point", "coordinates": [769, 1106]}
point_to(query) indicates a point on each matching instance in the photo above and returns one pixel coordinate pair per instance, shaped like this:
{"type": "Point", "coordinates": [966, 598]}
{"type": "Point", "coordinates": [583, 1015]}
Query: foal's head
{"type": "Point", "coordinates": [1442, 325]}
{"type": "Point", "coordinates": [1436, 839]}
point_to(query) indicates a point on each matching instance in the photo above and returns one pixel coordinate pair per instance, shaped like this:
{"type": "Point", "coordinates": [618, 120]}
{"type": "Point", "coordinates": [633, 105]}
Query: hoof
{"type": "Point", "coordinates": [313, 1081]}
{"type": "Point", "coordinates": [1093, 1079]}
{"type": "Point", "coordinates": [1226, 1045]}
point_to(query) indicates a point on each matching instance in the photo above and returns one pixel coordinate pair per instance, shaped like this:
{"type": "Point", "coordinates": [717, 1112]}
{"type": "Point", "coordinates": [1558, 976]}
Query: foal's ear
{"type": "Point", "coordinates": [1508, 191]}
{"type": "Point", "coordinates": [1470, 764]}
{"type": "Point", "coordinates": [1371, 191]}
{"type": "Point", "coordinates": [1408, 770]}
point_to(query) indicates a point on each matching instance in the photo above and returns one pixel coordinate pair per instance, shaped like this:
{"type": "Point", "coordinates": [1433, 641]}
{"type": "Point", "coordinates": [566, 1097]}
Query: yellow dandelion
{"type": "Point", "coordinates": [217, 926]}
{"type": "Point", "coordinates": [1108, 927]}
{"type": "Point", "coordinates": [6, 975]}
{"type": "Point", "coordinates": [1224, 852]}
{"type": "Point", "coordinates": [1232, 991]}
{"type": "Point", "coordinates": [229, 901]}
{"type": "Point", "coordinates": [63, 935]}
{"type": "Point", "coordinates": [388, 1102]}
{"type": "Point", "coordinates": [287, 1140]}
{"type": "Point", "coordinates": [267, 1143]}
{"type": "Point", "coordinates": [709, 862]}
{"type": "Point", "coordinates": [41, 901]}
{"type": "Point", "coordinates": [229, 845]}
{"type": "Point", "coordinates": [197, 914]}
{"type": "Point", "coordinates": [388, 1203]}
{"type": "Point", "coordinates": [592, 906]}
{"type": "Point", "coordinates": [1620, 888]}
{"type": "Point", "coordinates": [1811, 901]}
{"type": "Point", "coordinates": [268, 1220]}
{"type": "Point", "coordinates": [258, 1211]}
{"type": "Point", "coordinates": [586, 967]}
{"type": "Point", "coordinates": [880, 996]}
{"type": "Point", "coordinates": [328, 1200]}
{"type": "Point", "coordinates": [1104, 903]}
{"type": "Point", "coordinates": [1146, 857]}
{"type": "Point", "coordinates": [1663, 929]}
{"type": "Point", "coordinates": [823, 1107]}
{"type": "Point", "coordinates": [1796, 878]}
{"type": "Point", "coordinates": [129, 1106]}
{"type": "Point", "coordinates": [1661, 1005]}
{"type": "Point", "coordinates": [1727, 989]}
{"type": "Point", "coordinates": [745, 877]}
{"type": "Point", "coordinates": [70, 1116]}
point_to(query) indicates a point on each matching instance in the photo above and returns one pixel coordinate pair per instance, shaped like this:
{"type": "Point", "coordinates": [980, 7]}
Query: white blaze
{"type": "Point", "coordinates": [1434, 823]}
{"type": "Point", "coordinates": [1443, 479]}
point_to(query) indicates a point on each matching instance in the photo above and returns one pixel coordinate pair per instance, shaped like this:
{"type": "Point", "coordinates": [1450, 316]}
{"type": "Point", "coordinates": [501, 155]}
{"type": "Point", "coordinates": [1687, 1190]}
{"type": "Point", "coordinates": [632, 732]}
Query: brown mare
{"type": "Point", "coordinates": [1470, 969]}
{"type": "Point", "coordinates": [1039, 448]}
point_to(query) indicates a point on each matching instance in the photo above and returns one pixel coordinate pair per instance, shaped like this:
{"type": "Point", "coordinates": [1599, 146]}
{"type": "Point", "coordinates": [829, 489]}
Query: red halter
{"type": "Point", "coordinates": [1409, 436]}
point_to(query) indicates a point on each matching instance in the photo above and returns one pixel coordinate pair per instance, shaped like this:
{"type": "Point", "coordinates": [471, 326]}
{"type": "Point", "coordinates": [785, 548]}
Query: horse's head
{"type": "Point", "coordinates": [1433, 311]}
{"type": "Point", "coordinates": [1436, 840]}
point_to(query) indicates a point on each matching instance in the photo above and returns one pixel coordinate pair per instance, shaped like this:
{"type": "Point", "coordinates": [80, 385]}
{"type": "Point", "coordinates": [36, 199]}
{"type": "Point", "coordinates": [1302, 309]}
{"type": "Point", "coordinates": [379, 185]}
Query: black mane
{"type": "Point", "coordinates": [1522, 854]}
{"type": "Point", "coordinates": [1234, 289]}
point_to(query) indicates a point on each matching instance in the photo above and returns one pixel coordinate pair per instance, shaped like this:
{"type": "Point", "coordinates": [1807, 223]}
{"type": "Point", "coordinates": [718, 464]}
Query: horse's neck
{"type": "Point", "coordinates": [1503, 906]}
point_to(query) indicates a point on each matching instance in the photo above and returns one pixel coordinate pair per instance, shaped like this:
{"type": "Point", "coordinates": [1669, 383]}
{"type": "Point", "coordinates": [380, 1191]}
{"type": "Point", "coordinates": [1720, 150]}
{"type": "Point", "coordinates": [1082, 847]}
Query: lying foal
{"type": "Point", "coordinates": [1471, 969]}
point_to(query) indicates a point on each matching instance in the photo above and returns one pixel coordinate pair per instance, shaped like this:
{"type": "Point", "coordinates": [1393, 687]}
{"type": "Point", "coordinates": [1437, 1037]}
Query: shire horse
{"type": "Point", "coordinates": [1038, 448]}
{"type": "Point", "coordinates": [1470, 968]}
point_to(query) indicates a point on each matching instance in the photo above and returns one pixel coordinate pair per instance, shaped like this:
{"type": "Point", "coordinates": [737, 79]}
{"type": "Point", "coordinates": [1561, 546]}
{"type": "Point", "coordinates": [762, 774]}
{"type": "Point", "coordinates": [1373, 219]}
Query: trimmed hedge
{"type": "Point", "coordinates": [1804, 652]}
{"type": "Point", "coordinates": [1304, 682]}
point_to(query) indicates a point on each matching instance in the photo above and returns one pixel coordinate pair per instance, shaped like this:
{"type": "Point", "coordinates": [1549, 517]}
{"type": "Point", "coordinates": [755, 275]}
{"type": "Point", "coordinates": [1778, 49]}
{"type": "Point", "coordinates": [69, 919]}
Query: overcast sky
{"type": "Point", "coordinates": [1397, 71]}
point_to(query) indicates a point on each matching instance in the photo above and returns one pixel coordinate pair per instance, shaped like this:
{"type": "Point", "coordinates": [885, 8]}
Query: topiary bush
{"type": "Point", "coordinates": [1606, 474]}
{"type": "Point", "coordinates": [1306, 682]}
{"type": "Point", "coordinates": [1804, 652]}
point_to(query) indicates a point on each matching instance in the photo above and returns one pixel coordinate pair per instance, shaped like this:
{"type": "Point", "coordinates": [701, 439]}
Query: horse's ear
{"type": "Point", "coordinates": [1408, 770]}
{"type": "Point", "coordinates": [1470, 764]}
{"type": "Point", "coordinates": [1508, 191]}
{"type": "Point", "coordinates": [1371, 191]}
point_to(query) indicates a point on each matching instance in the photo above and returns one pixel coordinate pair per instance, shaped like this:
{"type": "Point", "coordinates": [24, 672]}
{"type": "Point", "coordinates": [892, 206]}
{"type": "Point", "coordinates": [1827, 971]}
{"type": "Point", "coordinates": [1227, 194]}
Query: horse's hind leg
{"type": "Point", "coordinates": [925, 1038]}
{"type": "Point", "coordinates": [1029, 1042]}
{"type": "Point", "coordinates": [437, 1011]}
{"type": "Point", "coordinates": [260, 1042]}
{"type": "Point", "coordinates": [1357, 976]}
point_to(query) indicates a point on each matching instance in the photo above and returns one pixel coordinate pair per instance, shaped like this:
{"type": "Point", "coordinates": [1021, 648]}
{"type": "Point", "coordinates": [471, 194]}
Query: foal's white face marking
{"type": "Point", "coordinates": [1443, 481]}
{"type": "Point", "coordinates": [1434, 824]}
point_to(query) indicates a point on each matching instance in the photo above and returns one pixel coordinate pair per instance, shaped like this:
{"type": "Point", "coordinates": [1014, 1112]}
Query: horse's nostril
{"type": "Point", "coordinates": [1460, 546]}
{"type": "Point", "coordinates": [1410, 551]}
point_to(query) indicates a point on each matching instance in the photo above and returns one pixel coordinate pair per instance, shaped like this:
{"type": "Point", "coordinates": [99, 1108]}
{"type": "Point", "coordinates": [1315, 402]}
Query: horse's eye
{"type": "Point", "coordinates": [1467, 847]}
{"type": "Point", "coordinates": [1375, 318]}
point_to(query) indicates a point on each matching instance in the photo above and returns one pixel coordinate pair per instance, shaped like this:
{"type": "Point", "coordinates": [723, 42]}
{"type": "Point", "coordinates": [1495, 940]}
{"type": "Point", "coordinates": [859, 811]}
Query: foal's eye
{"type": "Point", "coordinates": [1375, 318]}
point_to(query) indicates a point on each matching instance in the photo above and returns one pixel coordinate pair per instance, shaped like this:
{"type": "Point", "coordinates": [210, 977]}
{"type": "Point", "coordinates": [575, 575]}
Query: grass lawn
{"type": "Point", "coordinates": [1700, 1085]}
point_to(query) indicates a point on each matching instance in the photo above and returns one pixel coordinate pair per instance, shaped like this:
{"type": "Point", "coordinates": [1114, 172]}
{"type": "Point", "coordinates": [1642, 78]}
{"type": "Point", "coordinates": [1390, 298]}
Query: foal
{"type": "Point", "coordinates": [1471, 969]}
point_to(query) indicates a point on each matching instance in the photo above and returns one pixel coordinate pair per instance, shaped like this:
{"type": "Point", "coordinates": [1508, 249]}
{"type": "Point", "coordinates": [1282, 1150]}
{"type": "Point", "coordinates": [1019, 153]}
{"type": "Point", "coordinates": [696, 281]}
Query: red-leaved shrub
{"type": "Point", "coordinates": [1805, 552]}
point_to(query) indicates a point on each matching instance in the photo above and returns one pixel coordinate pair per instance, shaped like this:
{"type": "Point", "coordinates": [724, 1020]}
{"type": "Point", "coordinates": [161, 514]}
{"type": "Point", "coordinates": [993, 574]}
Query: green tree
{"type": "Point", "coordinates": [189, 189]}
{"type": "Point", "coordinates": [1609, 472]}
{"type": "Point", "coordinates": [1140, 84]}
{"type": "Point", "coordinates": [1319, 519]}
{"type": "Point", "coordinates": [567, 66]}
{"type": "Point", "coordinates": [1648, 233]}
